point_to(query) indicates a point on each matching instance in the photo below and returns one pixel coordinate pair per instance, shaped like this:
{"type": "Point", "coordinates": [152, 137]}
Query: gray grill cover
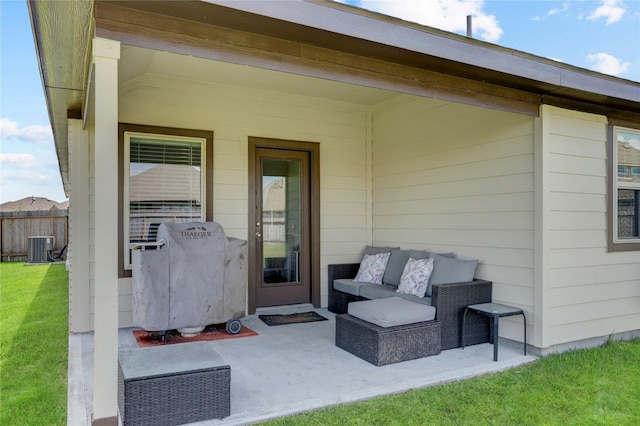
{"type": "Point", "coordinates": [197, 278]}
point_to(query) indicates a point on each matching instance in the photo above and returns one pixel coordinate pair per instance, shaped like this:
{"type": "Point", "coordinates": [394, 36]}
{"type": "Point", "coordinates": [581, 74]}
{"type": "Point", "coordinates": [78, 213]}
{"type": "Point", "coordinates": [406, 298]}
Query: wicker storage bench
{"type": "Point", "coordinates": [387, 345]}
{"type": "Point", "coordinates": [172, 385]}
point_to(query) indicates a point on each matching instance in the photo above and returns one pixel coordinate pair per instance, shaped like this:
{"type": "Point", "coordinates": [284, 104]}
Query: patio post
{"type": "Point", "coordinates": [106, 54]}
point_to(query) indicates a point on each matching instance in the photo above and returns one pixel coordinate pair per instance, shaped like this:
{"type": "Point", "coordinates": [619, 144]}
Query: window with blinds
{"type": "Point", "coordinates": [627, 158]}
{"type": "Point", "coordinates": [165, 182]}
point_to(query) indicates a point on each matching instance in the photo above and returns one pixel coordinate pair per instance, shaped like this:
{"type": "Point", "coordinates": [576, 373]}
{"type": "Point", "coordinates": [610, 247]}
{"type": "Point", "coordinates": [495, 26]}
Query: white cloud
{"type": "Point", "coordinates": [448, 15]}
{"type": "Point", "coordinates": [20, 171]}
{"type": "Point", "coordinates": [612, 10]}
{"type": "Point", "coordinates": [556, 10]}
{"type": "Point", "coordinates": [607, 64]}
{"type": "Point", "coordinates": [631, 140]}
{"type": "Point", "coordinates": [21, 175]}
{"type": "Point", "coordinates": [28, 163]}
{"type": "Point", "coordinates": [21, 161]}
{"type": "Point", "coordinates": [25, 178]}
{"type": "Point", "coordinates": [35, 133]}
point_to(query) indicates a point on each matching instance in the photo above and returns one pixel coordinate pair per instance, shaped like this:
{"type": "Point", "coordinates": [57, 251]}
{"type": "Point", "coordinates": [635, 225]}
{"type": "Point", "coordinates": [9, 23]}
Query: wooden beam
{"type": "Point", "coordinates": [629, 118]}
{"type": "Point", "coordinates": [158, 32]}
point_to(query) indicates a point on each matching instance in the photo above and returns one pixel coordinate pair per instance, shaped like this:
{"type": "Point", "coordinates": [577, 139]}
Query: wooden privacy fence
{"type": "Point", "coordinates": [17, 227]}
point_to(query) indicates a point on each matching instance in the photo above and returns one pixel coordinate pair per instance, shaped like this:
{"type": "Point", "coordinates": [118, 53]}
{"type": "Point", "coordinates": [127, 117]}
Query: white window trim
{"type": "Point", "coordinates": [617, 185]}
{"type": "Point", "coordinates": [127, 170]}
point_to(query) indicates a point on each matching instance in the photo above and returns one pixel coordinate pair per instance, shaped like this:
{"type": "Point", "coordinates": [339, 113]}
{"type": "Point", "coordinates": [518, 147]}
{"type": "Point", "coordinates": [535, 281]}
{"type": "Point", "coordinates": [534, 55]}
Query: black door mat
{"type": "Point", "coordinates": [284, 319]}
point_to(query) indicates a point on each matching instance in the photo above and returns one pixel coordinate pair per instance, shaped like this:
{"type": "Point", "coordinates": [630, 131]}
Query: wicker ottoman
{"type": "Point", "coordinates": [387, 345]}
{"type": "Point", "coordinates": [172, 385]}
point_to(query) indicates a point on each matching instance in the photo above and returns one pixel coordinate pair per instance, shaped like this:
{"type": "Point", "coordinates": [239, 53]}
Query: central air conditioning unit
{"type": "Point", "coordinates": [40, 248]}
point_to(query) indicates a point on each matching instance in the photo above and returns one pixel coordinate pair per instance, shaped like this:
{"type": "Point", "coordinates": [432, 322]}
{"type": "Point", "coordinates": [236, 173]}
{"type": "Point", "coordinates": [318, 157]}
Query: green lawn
{"type": "Point", "coordinates": [587, 387]}
{"type": "Point", "coordinates": [33, 344]}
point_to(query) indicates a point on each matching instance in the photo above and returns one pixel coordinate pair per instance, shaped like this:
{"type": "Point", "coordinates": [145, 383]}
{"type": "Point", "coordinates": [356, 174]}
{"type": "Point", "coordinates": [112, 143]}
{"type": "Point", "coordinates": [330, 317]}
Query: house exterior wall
{"type": "Point", "coordinates": [452, 177]}
{"type": "Point", "coordinates": [92, 222]}
{"type": "Point", "coordinates": [587, 292]}
{"type": "Point", "coordinates": [78, 257]}
{"type": "Point", "coordinates": [526, 196]}
{"type": "Point", "coordinates": [78, 302]}
{"type": "Point", "coordinates": [234, 114]}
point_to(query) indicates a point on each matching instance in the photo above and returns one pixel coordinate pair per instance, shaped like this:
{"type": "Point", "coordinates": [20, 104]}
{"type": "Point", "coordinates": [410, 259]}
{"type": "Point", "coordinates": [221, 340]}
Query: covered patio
{"type": "Point", "coordinates": [295, 368]}
{"type": "Point", "coordinates": [422, 140]}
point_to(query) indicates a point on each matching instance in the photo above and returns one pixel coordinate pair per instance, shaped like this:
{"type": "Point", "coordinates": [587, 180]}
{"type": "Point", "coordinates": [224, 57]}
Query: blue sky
{"type": "Point", "coordinates": [601, 35]}
{"type": "Point", "coordinates": [29, 165]}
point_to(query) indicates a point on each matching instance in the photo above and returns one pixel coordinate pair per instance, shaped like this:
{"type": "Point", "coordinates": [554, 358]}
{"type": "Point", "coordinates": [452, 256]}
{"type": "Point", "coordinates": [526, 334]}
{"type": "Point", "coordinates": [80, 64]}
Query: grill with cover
{"type": "Point", "coordinates": [193, 277]}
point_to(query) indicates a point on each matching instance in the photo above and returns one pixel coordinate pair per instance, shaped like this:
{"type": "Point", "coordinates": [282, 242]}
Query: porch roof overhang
{"type": "Point", "coordinates": [319, 39]}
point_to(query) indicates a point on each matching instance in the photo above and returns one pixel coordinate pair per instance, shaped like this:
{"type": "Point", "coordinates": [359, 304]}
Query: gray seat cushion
{"type": "Point", "coordinates": [378, 291]}
{"type": "Point", "coordinates": [398, 260]}
{"type": "Point", "coordinates": [391, 311]}
{"type": "Point", "coordinates": [450, 270]}
{"type": "Point", "coordinates": [410, 297]}
{"type": "Point", "coordinates": [376, 249]}
{"type": "Point", "coordinates": [350, 286]}
{"type": "Point", "coordinates": [395, 267]}
{"type": "Point", "coordinates": [418, 254]}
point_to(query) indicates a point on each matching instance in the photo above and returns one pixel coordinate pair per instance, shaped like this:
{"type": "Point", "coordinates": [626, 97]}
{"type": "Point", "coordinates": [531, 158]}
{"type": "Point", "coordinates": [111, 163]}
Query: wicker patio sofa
{"type": "Point", "coordinates": [450, 301]}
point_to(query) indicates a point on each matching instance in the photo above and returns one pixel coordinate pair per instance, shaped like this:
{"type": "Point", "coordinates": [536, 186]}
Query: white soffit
{"type": "Point", "coordinates": [137, 61]}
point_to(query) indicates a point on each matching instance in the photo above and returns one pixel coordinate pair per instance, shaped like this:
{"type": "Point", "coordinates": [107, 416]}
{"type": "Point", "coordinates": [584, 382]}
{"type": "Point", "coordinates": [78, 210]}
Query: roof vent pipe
{"type": "Point", "coordinates": [469, 26]}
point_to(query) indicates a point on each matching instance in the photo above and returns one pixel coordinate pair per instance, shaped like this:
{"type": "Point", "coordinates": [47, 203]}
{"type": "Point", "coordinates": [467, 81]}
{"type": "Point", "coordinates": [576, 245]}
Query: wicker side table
{"type": "Point", "coordinates": [387, 345]}
{"type": "Point", "coordinates": [172, 385]}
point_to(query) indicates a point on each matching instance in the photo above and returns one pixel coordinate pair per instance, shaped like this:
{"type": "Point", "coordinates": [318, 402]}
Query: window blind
{"type": "Point", "coordinates": [165, 184]}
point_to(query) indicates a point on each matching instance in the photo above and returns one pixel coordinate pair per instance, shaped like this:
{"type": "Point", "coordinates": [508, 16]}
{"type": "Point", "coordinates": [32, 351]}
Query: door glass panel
{"type": "Point", "coordinates": [281, 220]}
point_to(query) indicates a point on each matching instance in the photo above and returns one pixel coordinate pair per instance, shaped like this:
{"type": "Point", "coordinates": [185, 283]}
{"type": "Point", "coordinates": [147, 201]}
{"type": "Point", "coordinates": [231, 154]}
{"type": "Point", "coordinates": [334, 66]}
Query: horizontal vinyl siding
{"type": "Point", "coordinates": [92, 224]}
{"type": "Point", "coordinates": [234, 114]}
{"type": "Point", "coordinates": [450, 177]}
{"type": "Point", "coordinates": [590, 293]}
{"type": "Point", "coordinates": [78, 259]}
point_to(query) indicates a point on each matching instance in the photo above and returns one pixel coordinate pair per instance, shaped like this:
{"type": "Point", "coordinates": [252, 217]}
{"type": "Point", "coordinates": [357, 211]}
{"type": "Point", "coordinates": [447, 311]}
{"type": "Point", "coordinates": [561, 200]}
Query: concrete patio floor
{"type": "Point", "coordinates": [295, 368]}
